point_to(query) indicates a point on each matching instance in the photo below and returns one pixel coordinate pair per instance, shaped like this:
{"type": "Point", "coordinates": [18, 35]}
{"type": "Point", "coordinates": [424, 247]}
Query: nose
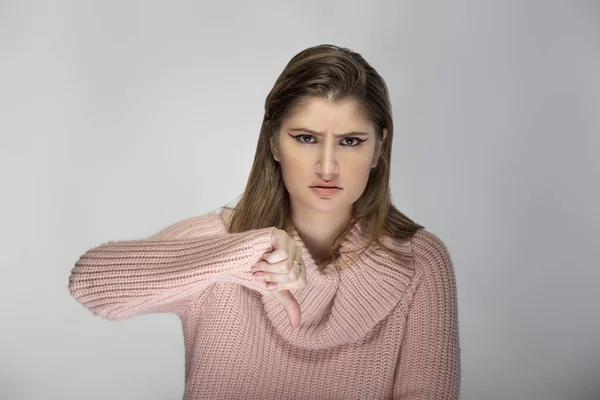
{"type": "Point", "coordinates": [327, 166]}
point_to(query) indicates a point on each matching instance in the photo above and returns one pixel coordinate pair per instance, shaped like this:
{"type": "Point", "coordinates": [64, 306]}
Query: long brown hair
{"type": "Point", "coordinates": [335, 73]}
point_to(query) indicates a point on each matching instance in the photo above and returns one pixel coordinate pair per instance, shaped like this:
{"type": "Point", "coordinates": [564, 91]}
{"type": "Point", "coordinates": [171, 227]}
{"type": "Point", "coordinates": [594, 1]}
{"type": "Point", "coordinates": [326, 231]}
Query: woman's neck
{"type": "Point", "coordinates": [318, 231]}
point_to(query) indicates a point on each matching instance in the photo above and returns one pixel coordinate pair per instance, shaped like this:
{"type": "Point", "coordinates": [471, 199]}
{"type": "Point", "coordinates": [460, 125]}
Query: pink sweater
{"type": "Point", "coordinates": [373, 329]}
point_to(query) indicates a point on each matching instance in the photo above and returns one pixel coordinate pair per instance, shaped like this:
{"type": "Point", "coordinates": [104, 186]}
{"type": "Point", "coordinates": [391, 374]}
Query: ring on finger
{"type": "Point", "coordinates": [296, 263]}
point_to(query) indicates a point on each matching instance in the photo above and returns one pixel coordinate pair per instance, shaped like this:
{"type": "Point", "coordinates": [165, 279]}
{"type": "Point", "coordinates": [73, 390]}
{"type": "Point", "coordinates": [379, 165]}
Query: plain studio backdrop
{"type": "Point", "coordinates": [118, 119]}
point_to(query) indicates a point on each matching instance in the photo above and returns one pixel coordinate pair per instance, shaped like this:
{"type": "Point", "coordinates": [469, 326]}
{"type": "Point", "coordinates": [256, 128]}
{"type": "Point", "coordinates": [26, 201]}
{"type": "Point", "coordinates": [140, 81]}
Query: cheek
{"type": "Point", "coordinates": [292, 172]}
{"type": "Point", "coordinates": [359, 165]}
{"type": "Point", "coordinates": [360, 179]}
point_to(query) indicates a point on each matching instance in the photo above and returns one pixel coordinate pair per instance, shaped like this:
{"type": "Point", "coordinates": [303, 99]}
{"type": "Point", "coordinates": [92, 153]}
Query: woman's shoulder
{"type": "Point", "coordinates": [226, 213]}
{"type": "Point", "coordinates": [427, 241]}
{"type": "Point", "coordinates": [431, 255]}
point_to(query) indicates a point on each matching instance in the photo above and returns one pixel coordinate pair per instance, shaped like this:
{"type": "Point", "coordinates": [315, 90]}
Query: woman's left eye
{"type": "Point", "coordinates": [357, 141]}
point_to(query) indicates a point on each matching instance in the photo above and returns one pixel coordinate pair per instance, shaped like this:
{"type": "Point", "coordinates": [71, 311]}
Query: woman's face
{"type": "Point", "coordinates": [326, 141]}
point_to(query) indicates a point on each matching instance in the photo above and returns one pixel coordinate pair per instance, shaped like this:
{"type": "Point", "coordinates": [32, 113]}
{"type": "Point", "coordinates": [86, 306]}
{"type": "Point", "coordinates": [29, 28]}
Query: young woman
{"type": "Point", "coordinates": [314, 286]}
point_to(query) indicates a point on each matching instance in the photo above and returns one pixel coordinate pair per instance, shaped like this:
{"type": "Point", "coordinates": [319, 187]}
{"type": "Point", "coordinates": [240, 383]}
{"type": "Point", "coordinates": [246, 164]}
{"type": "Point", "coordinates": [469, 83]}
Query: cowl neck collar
{"type": "Point", "coordinates": [340, 305]}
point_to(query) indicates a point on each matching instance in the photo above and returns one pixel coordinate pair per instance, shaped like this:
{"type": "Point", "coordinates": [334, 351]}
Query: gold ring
{"type": "Point", "coordinates": [295, 262]}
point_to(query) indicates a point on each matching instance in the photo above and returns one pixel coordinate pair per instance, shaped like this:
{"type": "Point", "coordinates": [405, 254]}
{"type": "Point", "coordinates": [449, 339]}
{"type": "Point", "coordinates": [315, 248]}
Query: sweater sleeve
{"type": "Point", "coordinates": [429, 367]}
{"type": "Point", "coordinates": [121, 279]}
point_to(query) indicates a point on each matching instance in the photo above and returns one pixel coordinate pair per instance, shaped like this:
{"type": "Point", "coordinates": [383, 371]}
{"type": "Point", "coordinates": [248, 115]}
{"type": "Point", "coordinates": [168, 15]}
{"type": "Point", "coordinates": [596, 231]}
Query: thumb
{"type": "Point", "coordinates": [292, 308]}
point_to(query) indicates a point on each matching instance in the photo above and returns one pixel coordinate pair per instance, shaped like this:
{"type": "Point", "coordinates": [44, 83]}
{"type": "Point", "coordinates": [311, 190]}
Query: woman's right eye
{"type": "Point", "coordinates": [299, 138]}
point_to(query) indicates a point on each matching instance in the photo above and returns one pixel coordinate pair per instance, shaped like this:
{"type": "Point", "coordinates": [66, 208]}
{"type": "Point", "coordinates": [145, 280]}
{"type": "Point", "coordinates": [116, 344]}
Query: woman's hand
{"type": "Point", "coordinates": [281, 274]}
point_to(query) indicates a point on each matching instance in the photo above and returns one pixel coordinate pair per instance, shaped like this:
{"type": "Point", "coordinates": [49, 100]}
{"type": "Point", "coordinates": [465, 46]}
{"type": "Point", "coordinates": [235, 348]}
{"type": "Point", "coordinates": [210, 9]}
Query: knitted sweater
{"type": "Point", "coordinates": [376, 328]}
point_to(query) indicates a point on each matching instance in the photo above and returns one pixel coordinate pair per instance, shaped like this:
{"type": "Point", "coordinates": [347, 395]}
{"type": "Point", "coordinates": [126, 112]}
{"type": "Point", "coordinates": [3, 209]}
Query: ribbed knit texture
{"type": "Point", "coordinates": [375, 328]}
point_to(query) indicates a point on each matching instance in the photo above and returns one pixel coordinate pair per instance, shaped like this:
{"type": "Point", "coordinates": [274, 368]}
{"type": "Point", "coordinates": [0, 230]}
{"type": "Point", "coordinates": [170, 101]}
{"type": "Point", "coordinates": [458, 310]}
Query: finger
{"type": "Point", "coordinates": [277, 238]}
{"type": "Point", "coordinates": [280, 272]}
{"type": "Point", "coordinates": [290, 305]}
{"type": "Point", "coordinates": [279, 286]}
{"type": "Point", "coordinates": [276, 256]}
{"type": "Point", "coordinates": [283, 267]}
{"type": "Point", "coordinates": [292, 276]}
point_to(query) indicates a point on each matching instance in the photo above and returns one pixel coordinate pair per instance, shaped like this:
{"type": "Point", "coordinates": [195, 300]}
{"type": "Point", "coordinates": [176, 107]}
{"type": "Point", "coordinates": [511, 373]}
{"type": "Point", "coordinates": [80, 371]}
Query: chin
{"type": "Point", "coordinates": [325, 205]}
{"type": "Point", "coordinates": [325, 209]}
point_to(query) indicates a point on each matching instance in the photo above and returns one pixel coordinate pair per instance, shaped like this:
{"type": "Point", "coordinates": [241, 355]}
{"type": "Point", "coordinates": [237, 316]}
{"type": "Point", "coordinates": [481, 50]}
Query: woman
{"type": "Point", "coordinates": [314, 286]}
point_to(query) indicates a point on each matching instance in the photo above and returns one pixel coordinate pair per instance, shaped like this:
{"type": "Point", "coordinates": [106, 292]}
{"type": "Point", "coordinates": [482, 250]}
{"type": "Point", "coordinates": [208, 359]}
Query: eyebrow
{"type": "Point", "coordinates": [322, 134]}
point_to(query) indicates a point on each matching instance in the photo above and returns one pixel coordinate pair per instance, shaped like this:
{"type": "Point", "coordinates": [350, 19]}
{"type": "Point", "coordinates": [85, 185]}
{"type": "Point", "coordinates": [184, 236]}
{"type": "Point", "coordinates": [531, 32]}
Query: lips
{"type": "Point", "coordinates": [325, 191]}
{"type": "Point", "coordinates": [326, 185]}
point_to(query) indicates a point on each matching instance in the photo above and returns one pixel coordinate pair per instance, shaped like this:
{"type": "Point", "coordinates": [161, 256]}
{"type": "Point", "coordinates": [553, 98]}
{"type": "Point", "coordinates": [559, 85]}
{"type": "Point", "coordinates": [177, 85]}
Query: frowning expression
{"type": "Point", "coordinates": [326, 143]}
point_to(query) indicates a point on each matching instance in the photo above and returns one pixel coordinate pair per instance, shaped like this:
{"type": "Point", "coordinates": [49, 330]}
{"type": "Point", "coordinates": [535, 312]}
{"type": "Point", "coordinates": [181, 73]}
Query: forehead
{"type": "Point", "coordinates": [328, 115]}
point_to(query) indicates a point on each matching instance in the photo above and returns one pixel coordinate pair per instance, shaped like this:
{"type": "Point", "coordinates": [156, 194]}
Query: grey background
{"type": "Point", "coordinates": [120, 118]}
